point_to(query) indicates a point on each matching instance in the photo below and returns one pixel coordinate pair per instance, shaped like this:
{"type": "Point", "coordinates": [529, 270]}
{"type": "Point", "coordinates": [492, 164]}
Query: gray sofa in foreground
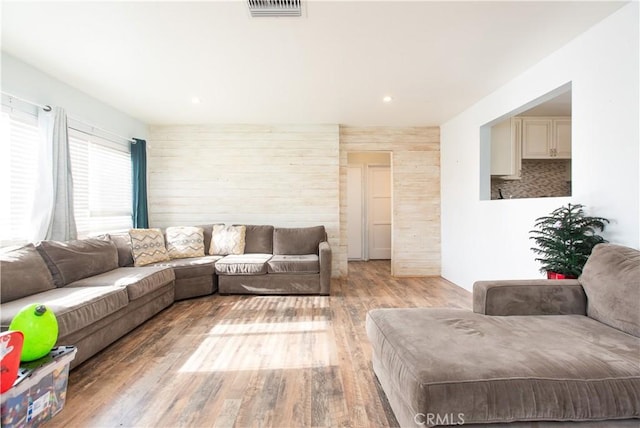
{"type": "Point", "coordinates": [558, 352]}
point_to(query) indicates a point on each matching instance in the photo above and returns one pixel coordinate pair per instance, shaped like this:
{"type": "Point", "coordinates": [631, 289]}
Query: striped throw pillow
{"type": "Point", "coordinates": [147, 246]}
{"type": "Point", "coordinates": [185, 241]}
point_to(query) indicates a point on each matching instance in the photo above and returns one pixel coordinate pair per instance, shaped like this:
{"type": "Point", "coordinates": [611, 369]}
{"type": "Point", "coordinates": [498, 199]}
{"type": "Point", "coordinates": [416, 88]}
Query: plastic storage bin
{"type": "Point", "coordinates": [40, 390]}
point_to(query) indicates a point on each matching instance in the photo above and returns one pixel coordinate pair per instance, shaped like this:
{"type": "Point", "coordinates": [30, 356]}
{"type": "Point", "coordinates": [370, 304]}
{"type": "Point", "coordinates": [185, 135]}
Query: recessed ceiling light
{"type": "Point", "coordinates": [387, 99]}
{"type": "Point", "coordinates": [195, 100]}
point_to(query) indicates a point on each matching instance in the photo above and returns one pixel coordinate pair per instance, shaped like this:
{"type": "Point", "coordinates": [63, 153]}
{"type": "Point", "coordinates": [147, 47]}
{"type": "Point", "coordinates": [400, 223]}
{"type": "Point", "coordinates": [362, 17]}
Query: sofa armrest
{"type": "Point", "coordinates": [529, 297]}
{"type": "Point", "coordinates": [324, 254]}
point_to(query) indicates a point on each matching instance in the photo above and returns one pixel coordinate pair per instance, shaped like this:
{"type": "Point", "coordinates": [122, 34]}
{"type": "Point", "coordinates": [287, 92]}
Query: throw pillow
{"type": "Point", "coordinates": [147, 246]}
{"type": "Point", "coordinates": [186, 241]}
{"type": "Point", "coordinates": [227, 240]}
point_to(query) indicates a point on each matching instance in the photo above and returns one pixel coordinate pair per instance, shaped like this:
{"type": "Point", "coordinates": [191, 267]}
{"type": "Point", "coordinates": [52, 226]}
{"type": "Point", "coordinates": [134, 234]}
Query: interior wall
{"type": "Point", "coordinates": [490, 239]}
{"type": "Point", "coordinates": [284, 175]}
{"type": "Point", "coordinates": [25, 81]}
{"type": "Point", "coordinates": [416, 192]}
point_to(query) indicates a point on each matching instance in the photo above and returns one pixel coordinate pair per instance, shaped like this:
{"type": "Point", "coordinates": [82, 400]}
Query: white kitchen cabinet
{"type": "Point", "coordinates": [546, 138]}
{"type": "Point", "coordinates": [562, 138]}
{"type": "Point", "coordinates": [506, 158]}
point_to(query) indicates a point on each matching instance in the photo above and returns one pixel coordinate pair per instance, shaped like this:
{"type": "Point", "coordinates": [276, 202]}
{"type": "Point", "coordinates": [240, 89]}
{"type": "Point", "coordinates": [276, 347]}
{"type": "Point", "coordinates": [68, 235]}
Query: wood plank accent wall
{"type": "Point", "coordinates": [416, 193]}
{"type": "Point", "coordinates": [285, 175]}
{"type": "Point", "coordinates": [293, 176]}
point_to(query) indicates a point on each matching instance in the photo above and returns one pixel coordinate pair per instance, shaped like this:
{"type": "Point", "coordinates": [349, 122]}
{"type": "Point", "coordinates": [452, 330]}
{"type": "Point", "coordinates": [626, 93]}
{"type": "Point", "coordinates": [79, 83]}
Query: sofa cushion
{"type": "Point", "coordinates": [139, 281]}
{"type": "Point", "coordinates": [243, 264]}
{"type": "Point", "coordinates": [611, 280]}
{"type": "Point", "coordinates": [299, 240]}
{"type": "Point", "coordinates": [23, 273]}
{"type": "Point", "coordinates": [501, 369]}
{"type": "Point", "coordinates": [147, 246]}
{"type": "Point", "coordinates": [185, 241]}
{"type": "Point", "coordinates": [192, 267]}
{"type": "Point", "coordinates": [306, 263]}
{"type": "Point", "coordinates": [227, 240]}
{"type": "Point", "coordinates": [123, 244]}
{"type": "Point", "coordinates": [258, 239]}
{"type": "Point", "coordinates": [73, 260]}
{"type": "Point", "coordinates": [74, 308]}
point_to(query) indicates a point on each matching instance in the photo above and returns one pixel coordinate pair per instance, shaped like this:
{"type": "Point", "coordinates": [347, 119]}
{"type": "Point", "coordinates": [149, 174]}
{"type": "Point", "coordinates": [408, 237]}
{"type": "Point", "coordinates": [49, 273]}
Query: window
{"type": "Point", "coordinates": [101, 184]}
{"type": "Point", "coordinates": [101, 179]}
{"type": "Point", "coordinates": [17, 169]}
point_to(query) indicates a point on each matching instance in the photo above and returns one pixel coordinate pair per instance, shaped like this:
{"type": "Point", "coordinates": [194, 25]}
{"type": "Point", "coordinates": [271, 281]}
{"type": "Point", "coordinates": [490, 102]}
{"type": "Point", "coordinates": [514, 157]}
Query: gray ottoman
{"type": "Point", "coordinates": [449, 366]}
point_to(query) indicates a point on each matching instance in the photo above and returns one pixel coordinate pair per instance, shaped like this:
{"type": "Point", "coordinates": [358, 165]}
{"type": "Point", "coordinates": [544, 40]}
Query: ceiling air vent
{"type": "Point", "coordinates": [275, 7]}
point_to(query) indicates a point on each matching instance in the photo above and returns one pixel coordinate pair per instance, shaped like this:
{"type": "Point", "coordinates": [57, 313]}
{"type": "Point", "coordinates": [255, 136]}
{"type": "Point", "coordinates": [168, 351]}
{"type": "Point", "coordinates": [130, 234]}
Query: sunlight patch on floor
{"type": "Point", "coordinates": [262, 346]}
{"type": "Point", "coordinates": [267, 333]}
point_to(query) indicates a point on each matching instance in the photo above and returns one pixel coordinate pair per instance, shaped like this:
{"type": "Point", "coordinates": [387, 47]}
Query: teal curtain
{"type": "Point", "coordinates": [140, 213]}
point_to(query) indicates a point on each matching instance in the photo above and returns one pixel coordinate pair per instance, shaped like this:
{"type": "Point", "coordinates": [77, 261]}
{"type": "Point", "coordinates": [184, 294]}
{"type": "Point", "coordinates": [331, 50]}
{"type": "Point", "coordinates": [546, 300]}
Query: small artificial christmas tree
{"type": "Point", "coordinates": [565, 239]}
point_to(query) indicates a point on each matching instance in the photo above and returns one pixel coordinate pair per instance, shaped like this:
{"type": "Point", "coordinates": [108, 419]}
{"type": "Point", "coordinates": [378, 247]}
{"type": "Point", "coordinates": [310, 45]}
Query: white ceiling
{"type": "Point", "coordinates": [557, 106]}
{"type": "Point", "coordinates": [334, 65]}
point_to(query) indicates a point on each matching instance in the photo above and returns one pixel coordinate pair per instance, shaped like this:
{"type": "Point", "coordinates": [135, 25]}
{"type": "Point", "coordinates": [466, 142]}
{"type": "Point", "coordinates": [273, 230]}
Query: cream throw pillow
{"type": "Point", "coordinates": [185, 241]}
{"type": "Point", "coordinates": [147, 246]}
{"type": "Point", "coordinates": [227, 240]}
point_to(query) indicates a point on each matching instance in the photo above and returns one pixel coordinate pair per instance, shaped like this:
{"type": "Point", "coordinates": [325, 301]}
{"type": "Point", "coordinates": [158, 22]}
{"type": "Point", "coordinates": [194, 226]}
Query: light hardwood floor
{"type": "Point", "coordinates": [252, 361]}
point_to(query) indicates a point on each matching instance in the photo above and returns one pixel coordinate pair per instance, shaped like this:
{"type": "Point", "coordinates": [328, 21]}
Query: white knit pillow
{"type": "Point", "coordinates": [227, 240]}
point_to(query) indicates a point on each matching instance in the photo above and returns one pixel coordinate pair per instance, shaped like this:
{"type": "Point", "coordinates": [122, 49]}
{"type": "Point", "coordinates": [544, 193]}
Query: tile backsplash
{"type": "Point", "coordinates": [541, 178]}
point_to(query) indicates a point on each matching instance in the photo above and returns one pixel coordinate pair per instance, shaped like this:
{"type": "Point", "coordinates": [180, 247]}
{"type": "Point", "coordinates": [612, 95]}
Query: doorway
{"type": "Point", "coordinates": [369, 206]}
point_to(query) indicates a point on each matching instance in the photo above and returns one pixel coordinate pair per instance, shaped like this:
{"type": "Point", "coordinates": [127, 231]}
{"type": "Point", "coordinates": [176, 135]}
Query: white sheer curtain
{"type": "Point", "coordinates": [52, 213]}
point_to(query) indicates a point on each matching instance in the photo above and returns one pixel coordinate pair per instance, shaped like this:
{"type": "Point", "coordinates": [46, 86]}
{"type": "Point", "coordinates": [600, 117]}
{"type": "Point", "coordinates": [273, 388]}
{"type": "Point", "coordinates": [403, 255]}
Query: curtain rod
{"type": "Point", "coordinates": [47, 107]}
{"type": "Point", "coordinates": [42, 106]}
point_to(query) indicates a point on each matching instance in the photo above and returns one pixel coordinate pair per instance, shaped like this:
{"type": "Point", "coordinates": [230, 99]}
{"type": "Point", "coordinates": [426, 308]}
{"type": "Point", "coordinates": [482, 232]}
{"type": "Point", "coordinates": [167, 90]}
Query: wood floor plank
{"type": "Point", "coordinates": [252, 361]}
{"type": "Point", "coordinates": [229, 414]}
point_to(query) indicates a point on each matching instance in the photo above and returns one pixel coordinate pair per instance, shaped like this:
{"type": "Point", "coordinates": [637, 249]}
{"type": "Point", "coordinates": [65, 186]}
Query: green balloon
{"type": "Point", "coordinates": [40, 328]}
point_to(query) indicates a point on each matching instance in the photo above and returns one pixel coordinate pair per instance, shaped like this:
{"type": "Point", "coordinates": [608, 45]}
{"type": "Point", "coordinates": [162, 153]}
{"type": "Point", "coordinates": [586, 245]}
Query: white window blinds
{"type": "Point", "coordinates": [101, 179]}
{"type": "Point", "coordinates": [101, 184]}
{"type": "Point", "coordinates": [17, 170]}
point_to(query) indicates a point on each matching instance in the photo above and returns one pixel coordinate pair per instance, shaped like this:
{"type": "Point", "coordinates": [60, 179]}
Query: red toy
{"type": "Point", "coordinates": [10, 350]}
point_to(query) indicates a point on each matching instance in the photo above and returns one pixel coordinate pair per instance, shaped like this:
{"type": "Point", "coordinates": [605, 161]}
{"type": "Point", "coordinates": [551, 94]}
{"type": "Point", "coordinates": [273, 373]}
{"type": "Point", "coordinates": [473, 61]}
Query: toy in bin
{"type": "Point", "coordinates": [39, 392]}
{"type": "Point", "coordinates": [40, 328]}
{"type": "Point", "coordinates": [10, 350]}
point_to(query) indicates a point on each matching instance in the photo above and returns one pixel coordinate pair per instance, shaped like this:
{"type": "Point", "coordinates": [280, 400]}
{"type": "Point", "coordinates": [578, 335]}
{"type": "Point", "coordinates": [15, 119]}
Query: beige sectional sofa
{"type": "Point", "coordinates": [95, 301]}
{"type": "Point", "coordinates": [194, 276]}
{"type": "Point", "coordinates": [98, 295]}
{"type": "Point", "coordinates": [275, 260]}
{"type": "Point", "coordinates": [278, 261]}
{"type": "Point", "coordinates": [555, 352]}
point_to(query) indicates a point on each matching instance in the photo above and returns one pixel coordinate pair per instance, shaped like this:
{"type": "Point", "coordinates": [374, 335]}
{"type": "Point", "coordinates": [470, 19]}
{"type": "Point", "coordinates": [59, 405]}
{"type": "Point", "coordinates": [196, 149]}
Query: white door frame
{"type": "Point", "coordinates": [364, 203]}
{"type": "Point", "coordinates": [363, 241]}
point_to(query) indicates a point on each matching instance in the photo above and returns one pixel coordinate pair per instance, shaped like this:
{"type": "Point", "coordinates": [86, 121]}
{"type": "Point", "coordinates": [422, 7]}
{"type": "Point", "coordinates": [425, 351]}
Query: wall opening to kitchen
{"type": "Point", "coordinates": [527, 152]}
